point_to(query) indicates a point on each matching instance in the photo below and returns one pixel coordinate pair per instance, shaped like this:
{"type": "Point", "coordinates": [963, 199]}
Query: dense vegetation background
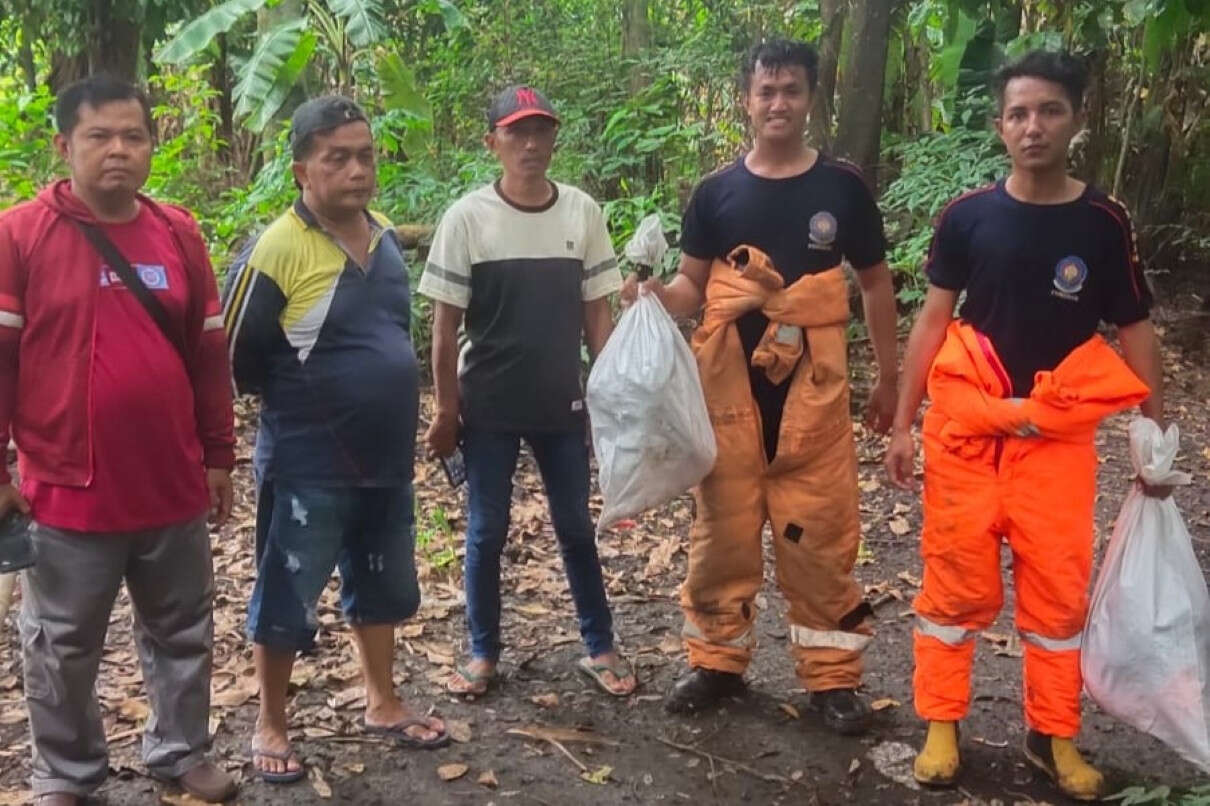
{"type": "Point", "coordinates": [646, 89]}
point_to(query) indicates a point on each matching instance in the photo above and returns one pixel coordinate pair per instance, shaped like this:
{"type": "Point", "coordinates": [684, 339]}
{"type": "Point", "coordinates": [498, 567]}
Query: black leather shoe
{"type": "Point", "coordinates": [843, 710]}
{"type": "Point", "coordinates": [702, 689]}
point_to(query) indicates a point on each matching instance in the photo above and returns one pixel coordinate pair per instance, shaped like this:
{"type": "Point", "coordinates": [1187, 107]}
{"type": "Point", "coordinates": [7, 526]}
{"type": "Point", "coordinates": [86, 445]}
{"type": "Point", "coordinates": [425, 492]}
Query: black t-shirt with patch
{"type": "Point", "coordinates": [806, 224]}
{"type": "Point", "coordinates": [1039, 278]}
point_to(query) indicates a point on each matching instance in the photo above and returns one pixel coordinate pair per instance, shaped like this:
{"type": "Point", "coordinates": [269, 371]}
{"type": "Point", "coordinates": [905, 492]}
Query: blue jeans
{"type": "Point", "coordinates": [491, 459]}
{"type": "Point", "coordinates": [304, 532]}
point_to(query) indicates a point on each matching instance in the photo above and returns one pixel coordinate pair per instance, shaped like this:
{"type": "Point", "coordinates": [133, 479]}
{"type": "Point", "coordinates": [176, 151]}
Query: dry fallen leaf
{"type": "Point", "coordinates": [899, 526]}
{"type": "Point", "coordinates": [548, 700]}
{"type": "Point", "coordinates": [790, 710]}
{"type": "Point", "coordinates": [884, 703]}
{"type": "Point", "coordinates": [854, 765]}
{"type": "Point", "coordinates": [458, 730]}
{"type": "Point", "coordinates": [319, 784]}
{"type": "Point", "coordinates": [356, 768]}
{"type": "Point", "coordinates": [237, 694]}
{"type": "Point", "coordinates": [452, 772]}
{"type": "Point", "coordinates": [134, 709]}
{"type": "Point", "coordinates": [909, 578]}
{"type": "Point", "coordinates": [176, 799]}
{"type": "Point", "coordinates": [489, 779]}
{"type": "Point", "coordinates": [13, 715]}
{"type": "Point", "coordinates": [597, 776]}
{"type": "Point", "coordinates": [347, 697]}
{"type": "Point", "coordinates": [671, 644]}
{"type": "Point", "coordinates": [413, 630]}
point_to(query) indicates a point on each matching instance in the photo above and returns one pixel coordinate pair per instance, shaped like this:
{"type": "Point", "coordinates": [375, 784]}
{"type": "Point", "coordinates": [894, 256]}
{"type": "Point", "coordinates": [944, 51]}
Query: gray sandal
{"type": "Point", "coordinates": [399, 732]}
{"type": "Point", "coordinates": [286, 777]}
{"type": "Point", "coordinates": [621, 670]}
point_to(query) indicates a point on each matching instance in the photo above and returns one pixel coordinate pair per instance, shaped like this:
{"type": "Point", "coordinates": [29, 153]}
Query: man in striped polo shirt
{"type": "Point", "coordinates": [528, 265]}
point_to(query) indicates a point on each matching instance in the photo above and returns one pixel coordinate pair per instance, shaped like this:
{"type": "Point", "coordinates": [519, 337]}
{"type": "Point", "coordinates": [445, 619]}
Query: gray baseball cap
{"type": "Point", "coordinates": [320, 115]}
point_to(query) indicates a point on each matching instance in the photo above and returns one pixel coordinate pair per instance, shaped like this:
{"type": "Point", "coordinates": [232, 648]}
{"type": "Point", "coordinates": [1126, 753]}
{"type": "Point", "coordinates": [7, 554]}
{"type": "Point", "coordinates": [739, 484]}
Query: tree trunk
{"type": "Point", "coordinates": [1093, 166]}
{"type": "Point", "coordinates": [113, 43]}
{"type": "Point", "coordinates": [25, 57]}
{"type": "Point", "coordinates": [859, 133]}
{"type": "Point", "coordinates": [832, 16]}
{"type": "Point", "coordinates": [65, 68]}
{"type": "Point", "coordinates": [221, 79]}
{"type": "Point", "coordinates": [636, 28]}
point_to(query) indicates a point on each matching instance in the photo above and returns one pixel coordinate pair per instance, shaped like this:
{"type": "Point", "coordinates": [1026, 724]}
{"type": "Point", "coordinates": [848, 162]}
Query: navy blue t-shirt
{"type": "Point", "coordinates": [806, 224]}
{"type": "Point", "coordinates": [1039, 278]}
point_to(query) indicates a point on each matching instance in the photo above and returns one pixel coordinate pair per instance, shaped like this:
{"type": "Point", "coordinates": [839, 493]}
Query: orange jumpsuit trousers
{"type": "Point", "coordinates": [808, 492]}
{"type": "Point", "coordinates": [1024, 470]}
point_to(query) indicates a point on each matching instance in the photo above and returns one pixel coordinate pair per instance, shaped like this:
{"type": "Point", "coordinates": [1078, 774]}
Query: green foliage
{"type": "Point", "coordinates": [435, 538]}
{"type": "Point", "coordinates": [187, 164]}
{"type": "Point", "coordinates": [1162, 796]}
{"type": "Point", "coordinates": [198, 33]}
{"type": "Point", "coordinates": [936, 168]}
{"type": "Point", "coordinates": [27, 160]}
{"type": "Point", "coordinates": [363, 20]}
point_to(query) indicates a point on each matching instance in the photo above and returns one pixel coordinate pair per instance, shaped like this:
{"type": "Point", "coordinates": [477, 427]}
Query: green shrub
{"type": "Point", "coordinates": [935, 169]}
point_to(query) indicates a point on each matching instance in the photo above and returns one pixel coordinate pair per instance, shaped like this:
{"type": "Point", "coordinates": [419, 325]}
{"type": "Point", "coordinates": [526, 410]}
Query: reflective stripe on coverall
{"type": "Point", "coordinates": [808, 492]}
{"type": "Point", "coordinates": [984, 480]}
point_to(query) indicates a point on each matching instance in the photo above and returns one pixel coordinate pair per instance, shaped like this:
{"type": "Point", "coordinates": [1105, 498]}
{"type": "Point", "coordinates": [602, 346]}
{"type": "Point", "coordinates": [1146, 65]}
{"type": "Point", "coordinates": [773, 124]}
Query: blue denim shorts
{"type": "Point", "coordinates": [304, 532]}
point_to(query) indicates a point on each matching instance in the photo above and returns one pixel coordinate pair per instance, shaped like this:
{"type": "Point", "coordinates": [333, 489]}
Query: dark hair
{"type": "Point", "coordinates": [97, 90]}
{"type": "Point", "coordinates": [774, 54]}
{"type": "Point", "coordinates": [1062, 68]}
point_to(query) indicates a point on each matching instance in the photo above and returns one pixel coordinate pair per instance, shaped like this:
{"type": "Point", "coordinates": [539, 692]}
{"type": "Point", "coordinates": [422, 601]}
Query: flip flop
{"type": "Point", "coordinates": [596, 671]}
{"type": "Point", "coordinates": [480, 683]}
{"type": "Point", "coordinates": [287, 777]}
{"type": "Point", "coordinates": [399, 732]}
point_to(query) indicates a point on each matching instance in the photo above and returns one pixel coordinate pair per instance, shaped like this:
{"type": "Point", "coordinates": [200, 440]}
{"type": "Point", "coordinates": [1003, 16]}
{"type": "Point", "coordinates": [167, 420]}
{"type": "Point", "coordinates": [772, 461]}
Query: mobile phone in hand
{"type": "Point", "coordinates": [455, 468]}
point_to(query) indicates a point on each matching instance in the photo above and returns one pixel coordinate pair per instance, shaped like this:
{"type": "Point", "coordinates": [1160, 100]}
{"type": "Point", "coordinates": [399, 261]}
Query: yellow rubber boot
{"type": "Point", "coordinates": [937, 763]}
{"type": "Point", "coordinates": [1060, 759]}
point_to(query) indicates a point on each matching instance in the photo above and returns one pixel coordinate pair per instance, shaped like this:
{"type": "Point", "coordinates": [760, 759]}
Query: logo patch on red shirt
{"type": "Point", "coordinates": [153, 275]}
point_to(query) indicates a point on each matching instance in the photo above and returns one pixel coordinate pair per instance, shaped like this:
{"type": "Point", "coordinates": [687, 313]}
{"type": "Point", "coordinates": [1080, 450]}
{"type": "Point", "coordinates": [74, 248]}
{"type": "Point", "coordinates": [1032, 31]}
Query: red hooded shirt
{"type": "Point", "coordinates": [113, 428]}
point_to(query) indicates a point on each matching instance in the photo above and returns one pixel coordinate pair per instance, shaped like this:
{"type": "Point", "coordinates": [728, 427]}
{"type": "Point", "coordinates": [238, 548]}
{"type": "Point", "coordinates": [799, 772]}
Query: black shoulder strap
{"type": "Point", "coordinates": [130, 278]}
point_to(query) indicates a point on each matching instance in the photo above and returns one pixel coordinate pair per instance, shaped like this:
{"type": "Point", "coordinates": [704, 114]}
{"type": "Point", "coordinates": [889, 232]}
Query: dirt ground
{"type": "Point", "coordinates": [544, 736]}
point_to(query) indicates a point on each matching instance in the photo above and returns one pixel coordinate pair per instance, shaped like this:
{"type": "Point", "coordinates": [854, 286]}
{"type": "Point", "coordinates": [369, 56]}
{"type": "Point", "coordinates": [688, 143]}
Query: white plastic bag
{"type": "Point", "coordinates": [650, 427]}
{"type": "Point", "coordinates": [1146, 650]}
{"type": "Point", "coordinates": [648, 245]}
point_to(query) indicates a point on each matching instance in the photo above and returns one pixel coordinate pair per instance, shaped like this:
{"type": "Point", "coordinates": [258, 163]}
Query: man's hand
{"type": "Point", "coordinates": [880, 408]}
{"type": "Point", "coordinates": [900, 459]}
{"type": "Point", "coordinates": [1160, 491]}
{"type": "Point", "coordinates": [218, 480]}
{"type": "Point", "coordinates": [633, 287]}
{"type": "Point", "coordinates": [442, 436]}
{"type": "Point", "coordinates": [10, 499]}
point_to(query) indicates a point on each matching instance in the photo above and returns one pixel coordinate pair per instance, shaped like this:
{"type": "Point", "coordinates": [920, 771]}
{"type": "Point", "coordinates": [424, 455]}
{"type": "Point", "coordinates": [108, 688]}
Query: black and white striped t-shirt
{"type": "Point", "coordinates": [522, 275]}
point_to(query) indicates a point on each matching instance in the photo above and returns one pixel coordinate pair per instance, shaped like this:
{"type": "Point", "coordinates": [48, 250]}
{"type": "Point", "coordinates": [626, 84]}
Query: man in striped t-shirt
{"type": "Point", "coordinates": [528, 264]}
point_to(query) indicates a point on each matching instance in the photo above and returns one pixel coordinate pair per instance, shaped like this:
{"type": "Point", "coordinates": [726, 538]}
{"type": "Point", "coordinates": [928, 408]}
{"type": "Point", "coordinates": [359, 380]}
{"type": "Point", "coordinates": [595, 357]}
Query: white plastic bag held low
{"type": "Point", "coordinates": [1146, 652]}
{"type": "Point", "coordinates": [650, 427]}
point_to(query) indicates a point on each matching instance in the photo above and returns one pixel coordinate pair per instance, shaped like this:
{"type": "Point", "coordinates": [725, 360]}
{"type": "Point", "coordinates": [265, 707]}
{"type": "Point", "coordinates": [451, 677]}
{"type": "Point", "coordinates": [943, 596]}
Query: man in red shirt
{"type": "Point", "coordinates": [123, 427]}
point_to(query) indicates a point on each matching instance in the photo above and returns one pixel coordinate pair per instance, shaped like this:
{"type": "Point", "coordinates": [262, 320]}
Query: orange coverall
{"type": "Point", "coordinates": [985, 480]}
{"type": "Point", "coordinates": [808, 492]}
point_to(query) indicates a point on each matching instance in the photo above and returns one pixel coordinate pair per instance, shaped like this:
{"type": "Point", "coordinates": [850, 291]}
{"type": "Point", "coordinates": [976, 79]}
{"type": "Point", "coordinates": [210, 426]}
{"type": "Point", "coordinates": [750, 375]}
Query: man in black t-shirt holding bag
{"type": "Point", "coordinates": [1017, 385]}
{"type": "Point", "coordinates": [784, 457]}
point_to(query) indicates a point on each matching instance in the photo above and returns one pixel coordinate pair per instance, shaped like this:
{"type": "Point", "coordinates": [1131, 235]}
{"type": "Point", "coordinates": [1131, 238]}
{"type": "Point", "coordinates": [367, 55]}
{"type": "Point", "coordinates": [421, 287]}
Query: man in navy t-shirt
{"type": "Point", "coordinates": [810, 214]}
{"type": "Point", "coordinates": [1043, 259]}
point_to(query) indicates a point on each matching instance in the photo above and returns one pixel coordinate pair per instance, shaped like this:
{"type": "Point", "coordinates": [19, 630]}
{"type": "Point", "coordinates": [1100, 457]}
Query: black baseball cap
{"type": "Point", "coordinates": [517, 102]}
{"type": "Point", "coordinates": [320, 115]}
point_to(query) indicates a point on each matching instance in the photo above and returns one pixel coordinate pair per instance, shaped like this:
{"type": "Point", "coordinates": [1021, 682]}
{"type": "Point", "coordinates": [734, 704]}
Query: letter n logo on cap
{"type": "Point", "coordinates": [526, 97]}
